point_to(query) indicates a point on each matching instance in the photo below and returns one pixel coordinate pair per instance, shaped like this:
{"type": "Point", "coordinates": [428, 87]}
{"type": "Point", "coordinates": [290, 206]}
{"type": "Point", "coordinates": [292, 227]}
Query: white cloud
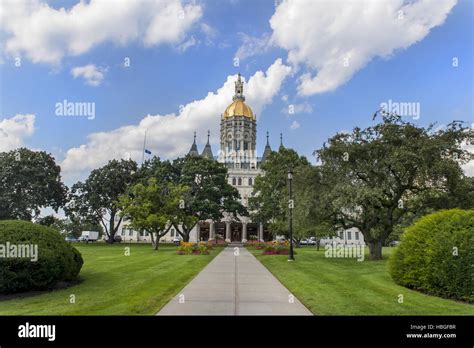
{"type": "Point", "coordinates": [210, 33]}
{"type": "Point", "coordinates": [92, 75]}
{"type": "Point", "coordinates": [46, 35]}
{"type": "Point", "coordinates": [187, 44]}
{"type": "Point", "coordinates": [321, 34]}
{"type": "Point", "coordinates": [14, 130]}
{"type": "Point", "coordinates": [294, 125]}
{"type": "Point", "coordinates": [252, 45]}
{"type": "Point", "coordinates": [170, 135]}
{"type": "Point", "coordinates": [209, 30]}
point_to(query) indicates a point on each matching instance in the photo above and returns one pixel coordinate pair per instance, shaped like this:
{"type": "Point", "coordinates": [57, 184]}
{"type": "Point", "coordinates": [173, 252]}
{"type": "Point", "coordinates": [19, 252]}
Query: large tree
{"type": "Point", "coordinates": [163, 171]}
{"type": "Point", "coordinates": [29, 181]}
{"type": "Point", "coordinates": [376, 175]}
{"type": "Point", "coordinates": [149, 207]}
{"type": "Point", "coordinates": [310, 215]}
{"type": "Point", "coordinates": [209, 195]}
{"type": "Point", "coordinates": [269, 203]}
{"type": "Point", "coordinates": [97, 199]}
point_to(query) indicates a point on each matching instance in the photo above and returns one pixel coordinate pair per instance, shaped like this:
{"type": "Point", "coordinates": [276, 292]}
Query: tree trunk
{"type": "Point", "coordinates": [111, 229]}
{"type": "Point", "coordinates": [157, 243]}
{"type": "Point", "coordinates": [185, 237]}
{"type": "Point", "coordinates": [318, 243]}
{"type": "Point", "coordinates": [152, 240]}
{"type": "Point", "coordinates": [375, 248]}
{"type": "Point", "coordinates": [110, 240]}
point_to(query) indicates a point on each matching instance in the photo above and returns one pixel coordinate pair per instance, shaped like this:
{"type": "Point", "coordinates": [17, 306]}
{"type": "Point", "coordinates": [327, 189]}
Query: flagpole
{"type": "Point", "coordinates": [144, 144]}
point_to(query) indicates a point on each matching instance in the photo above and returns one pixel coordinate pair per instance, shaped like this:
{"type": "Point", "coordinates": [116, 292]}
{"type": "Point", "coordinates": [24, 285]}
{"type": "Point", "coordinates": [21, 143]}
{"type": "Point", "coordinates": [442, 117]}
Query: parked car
{"type": "Point", "coordinates": [304, 242]}
{"type": "Point", "coordinates": [117, 239]}
{"type": "Point", "coordinates": [70, 239]}
{"type": "Point", "coordinates": [311, 241]}
{"type": "Point", "coordinates": [89, 236]}
{"type": "Point", "coordinates": [394, 243]}
{"type": "Point", "coordinates": [176, 240]}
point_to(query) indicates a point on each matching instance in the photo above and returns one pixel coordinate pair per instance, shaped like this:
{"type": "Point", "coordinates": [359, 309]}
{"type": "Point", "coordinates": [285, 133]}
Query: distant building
{"type": "Point", "coordinates": [351, 236]}
{"type": "Point", "coordinates": [239, 154]}
{"type": "Point", "coordinates": [238, 139]}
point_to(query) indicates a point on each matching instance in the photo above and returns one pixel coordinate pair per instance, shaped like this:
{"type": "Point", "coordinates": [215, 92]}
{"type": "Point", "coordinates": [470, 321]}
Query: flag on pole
{"type": "Point", "coordinates": [148, 152]}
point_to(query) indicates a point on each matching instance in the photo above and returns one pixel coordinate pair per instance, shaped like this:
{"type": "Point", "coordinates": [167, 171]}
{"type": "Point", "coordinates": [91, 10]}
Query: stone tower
{"type": "Point", "coordinates": [238, 132]}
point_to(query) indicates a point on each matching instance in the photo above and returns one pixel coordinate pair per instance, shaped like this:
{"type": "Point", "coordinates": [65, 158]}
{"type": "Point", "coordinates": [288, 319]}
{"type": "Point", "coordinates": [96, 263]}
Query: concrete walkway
{"type": "Point", "coordinates": [234, 285]}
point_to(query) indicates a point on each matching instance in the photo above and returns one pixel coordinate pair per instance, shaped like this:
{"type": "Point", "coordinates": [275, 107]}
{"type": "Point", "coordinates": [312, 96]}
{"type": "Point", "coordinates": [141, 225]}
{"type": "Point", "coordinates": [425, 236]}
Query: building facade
{"type": "Point", "coordinates": [238, 139]}
{"type": "Point", "coordinates": [238, 152]}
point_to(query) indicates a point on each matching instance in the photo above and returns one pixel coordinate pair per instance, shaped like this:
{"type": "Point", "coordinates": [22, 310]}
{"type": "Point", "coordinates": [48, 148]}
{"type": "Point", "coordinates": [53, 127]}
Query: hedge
{"type": "Point", "coordinates": [436, 255]}
{"type": "Point", "coordinates": [57, 260]}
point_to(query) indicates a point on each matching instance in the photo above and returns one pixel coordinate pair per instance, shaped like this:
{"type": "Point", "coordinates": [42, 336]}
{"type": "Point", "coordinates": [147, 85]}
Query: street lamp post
{"type": "Point", "coordinates": [291, 205]}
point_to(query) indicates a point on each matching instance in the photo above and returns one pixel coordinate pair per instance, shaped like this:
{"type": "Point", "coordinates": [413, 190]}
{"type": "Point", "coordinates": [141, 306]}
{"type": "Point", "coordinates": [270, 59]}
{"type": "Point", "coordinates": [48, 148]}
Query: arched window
{"type": "Point", "coordinates": [240, 181]}
{"type": "Point", "coordinates": [250, 182]}
{"type": "Point", "coordinates": [233, 181]}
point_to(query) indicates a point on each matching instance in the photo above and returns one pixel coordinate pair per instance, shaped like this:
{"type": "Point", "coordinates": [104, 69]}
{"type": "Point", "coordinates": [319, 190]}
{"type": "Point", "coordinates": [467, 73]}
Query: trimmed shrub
{"type": "Point", "coordinates": [57, 260]}
{"type": "Point", "coordinates": [436, 255]}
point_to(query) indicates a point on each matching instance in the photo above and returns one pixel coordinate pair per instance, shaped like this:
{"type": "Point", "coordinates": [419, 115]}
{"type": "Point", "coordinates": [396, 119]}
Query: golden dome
{"type": "Point", "coordinates": [238, 108]}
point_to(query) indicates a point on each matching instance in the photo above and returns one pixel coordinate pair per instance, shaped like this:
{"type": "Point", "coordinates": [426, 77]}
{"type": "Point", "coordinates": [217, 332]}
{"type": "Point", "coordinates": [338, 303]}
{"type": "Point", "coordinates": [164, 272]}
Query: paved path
{"type": "Point", "coordinates": [234, 285]}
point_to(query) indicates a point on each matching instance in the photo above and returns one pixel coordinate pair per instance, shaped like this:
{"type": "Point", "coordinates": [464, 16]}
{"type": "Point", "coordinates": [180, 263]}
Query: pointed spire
{"type": "Point", "coordinates": [239, 89]}
{"type": "Point", "coordinates": [281, 141]}
{"type": "Point", "coordinates": [267, 151]}
{"type": "Point", "coordinates": [193, 151]}
{"type": "Point", "coordinates": [207, 151]}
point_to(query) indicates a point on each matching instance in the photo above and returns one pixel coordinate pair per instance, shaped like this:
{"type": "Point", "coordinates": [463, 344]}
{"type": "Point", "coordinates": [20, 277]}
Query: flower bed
{"type": "Point", "coordinates": [255, 244]}
{"type": "Point", "coordinates": [188, 248]}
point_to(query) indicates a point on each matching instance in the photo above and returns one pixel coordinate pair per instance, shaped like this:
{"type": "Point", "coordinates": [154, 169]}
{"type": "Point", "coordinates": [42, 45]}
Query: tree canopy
{"type": "Point", "coordinates": [375, 176]}
{"type": "Point", "coordinates": [269, 204]}
{"type": "Point", "coordinates": [209, 195]}
{"type": "Point", "coordinates": [97, 199]}
{"type": "Point", "coordinates": [29, 181]}
{"type": "Point", "coordinates": [150, 206]}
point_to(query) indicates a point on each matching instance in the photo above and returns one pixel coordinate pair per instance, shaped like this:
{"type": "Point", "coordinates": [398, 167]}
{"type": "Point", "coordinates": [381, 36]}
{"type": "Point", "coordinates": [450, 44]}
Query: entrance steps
{"type": "Point", "coordinates": [236, 244]}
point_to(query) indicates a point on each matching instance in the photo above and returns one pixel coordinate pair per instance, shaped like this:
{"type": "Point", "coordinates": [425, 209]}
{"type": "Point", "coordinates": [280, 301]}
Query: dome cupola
{"type": "Point", "coordinates": [238, 107]}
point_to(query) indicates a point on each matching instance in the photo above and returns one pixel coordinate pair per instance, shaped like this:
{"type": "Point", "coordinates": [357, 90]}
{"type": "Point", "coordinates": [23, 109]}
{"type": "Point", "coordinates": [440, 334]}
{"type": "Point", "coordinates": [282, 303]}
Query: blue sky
{"type": "Point", "coordinates": [408, 66]}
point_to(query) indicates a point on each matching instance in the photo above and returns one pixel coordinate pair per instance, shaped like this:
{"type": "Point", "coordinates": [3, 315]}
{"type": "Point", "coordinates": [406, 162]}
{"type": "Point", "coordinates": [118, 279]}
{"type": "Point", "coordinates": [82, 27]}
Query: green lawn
{"type": "Point", "coordinates": [114, 284]}
{"type": "Point", "coordinates": [348, 287]}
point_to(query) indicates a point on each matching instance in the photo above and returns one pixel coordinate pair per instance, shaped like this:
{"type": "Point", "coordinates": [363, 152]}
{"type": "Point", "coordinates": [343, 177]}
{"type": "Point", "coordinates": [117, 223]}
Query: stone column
{"type": "Point", "coordinates": [244, 232]}
{"type": "Point", "coordinates": [198, 232]}
{"type": "Point", "coordinates": [227, 232]}
{"type": "Point", "coordinates": [212, 231]}
{"type": "Point", "coordinates": [260, 232]}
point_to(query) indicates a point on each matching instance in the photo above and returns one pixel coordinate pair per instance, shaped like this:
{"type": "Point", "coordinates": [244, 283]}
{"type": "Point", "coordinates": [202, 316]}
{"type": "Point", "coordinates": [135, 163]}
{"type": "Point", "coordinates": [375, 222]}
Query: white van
{"type": "Point", "coordinates": [89, 236]}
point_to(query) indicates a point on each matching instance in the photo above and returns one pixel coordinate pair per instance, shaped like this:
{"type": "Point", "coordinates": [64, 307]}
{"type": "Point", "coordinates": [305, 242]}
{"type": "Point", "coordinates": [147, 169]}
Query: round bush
{"type": "Point", "coordinates": [436, 255]}
{"type": "Point", "coordinates": [57, 260]}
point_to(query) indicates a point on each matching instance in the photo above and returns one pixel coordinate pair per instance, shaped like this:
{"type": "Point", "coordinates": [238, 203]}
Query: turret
{"type": "Point", "coordinates": [281, 142]}
{"type": "Point", "coordinates": [207, 152]}
{"type": "Point", "coordinates": [193, 151]}
{"type": "Point", "coordinates": [267, 151]}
